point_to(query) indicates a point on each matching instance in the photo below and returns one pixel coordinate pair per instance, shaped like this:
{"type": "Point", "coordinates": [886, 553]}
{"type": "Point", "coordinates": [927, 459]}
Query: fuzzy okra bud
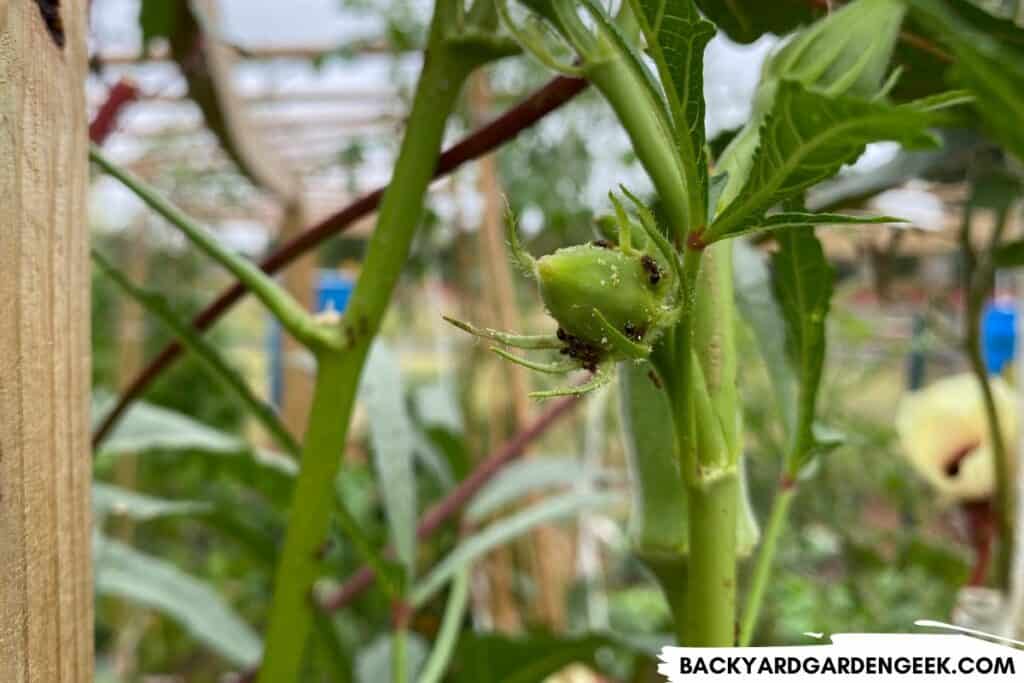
{"type": "Point", "coordinates": [610, 300]}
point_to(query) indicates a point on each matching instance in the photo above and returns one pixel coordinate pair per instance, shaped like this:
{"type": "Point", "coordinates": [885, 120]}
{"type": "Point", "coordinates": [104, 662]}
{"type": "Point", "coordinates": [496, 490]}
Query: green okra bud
{"type": "Point", "coordinates": [582, 283]}
{"type": "Point", "coordinates": [846, 53]}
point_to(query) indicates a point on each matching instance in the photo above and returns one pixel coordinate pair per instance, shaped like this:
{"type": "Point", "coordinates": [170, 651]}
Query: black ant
{"type": "Point", "coordinates": [651, 266]}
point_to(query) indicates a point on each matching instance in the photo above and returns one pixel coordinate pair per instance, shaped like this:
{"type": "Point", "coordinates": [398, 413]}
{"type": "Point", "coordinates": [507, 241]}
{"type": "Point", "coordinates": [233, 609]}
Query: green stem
{"type": "Point", "coordinates": [653, 144]}
{"type": "Point", "coordinates": [291, 611]}
{"type": "Point", "coordinates": [1004, 501]}
{"type": "Point", "coordinates": [765, 560]}
{"type": "Point", "coordinates": [338, 377]}
{"type": "Point", "coordinates": [979, 277]}
{"type": "Point", "coordinates": [287, 310]}
{"type": "Point", "coordinates": [711, 590]}
{"type": "Point", "coordinates": [399, 654]}
{"type": "Point", "coordinates": [448, 637]}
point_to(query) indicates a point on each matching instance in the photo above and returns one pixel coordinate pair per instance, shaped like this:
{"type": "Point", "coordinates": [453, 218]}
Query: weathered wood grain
{"type": "Point", "coordinates": [45, 576]}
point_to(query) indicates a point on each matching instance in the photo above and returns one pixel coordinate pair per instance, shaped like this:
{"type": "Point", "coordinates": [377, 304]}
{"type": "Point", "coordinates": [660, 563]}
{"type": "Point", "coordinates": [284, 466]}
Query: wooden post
{"type": "Point", "coordinates": [45, 576]}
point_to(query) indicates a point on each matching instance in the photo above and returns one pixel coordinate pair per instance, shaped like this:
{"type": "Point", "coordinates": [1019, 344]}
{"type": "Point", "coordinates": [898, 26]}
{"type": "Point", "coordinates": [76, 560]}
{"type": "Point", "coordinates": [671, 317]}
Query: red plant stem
{"type": "Point", "coordinates": [981, 529]}
{"type": "Point", "coordinates": [553, 95]}
{"type": "Point", "coordinates": [446, 508]}
{"type": "Point", "coordinates": [122, 93]}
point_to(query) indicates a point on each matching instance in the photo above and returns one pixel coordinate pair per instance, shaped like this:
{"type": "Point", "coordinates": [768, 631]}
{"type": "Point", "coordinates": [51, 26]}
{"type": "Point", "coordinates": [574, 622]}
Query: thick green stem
{"type": "Point", "coordinates": [765, 560]}
{"type": "Point", "coordinates": [652, 141]}
{"type": "Point", "coordinates": [291, 612]}
{"type": "Point", "coordinates": [711, 591]}
{"type": "Point", "coordinates": [338, 377]}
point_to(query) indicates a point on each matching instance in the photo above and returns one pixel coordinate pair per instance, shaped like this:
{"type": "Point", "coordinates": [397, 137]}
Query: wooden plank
{"type": "Point", "coordinates": [45, 580]}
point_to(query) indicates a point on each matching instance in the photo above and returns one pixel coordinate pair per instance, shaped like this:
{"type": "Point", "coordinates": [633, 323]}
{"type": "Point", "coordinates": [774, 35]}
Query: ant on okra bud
{"type": "Point", "coordinates": [611, 300]}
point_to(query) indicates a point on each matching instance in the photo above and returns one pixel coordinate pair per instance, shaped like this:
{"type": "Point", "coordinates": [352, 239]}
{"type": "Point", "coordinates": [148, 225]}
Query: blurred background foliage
{"type": "Point", "coordinates": [184, 568]}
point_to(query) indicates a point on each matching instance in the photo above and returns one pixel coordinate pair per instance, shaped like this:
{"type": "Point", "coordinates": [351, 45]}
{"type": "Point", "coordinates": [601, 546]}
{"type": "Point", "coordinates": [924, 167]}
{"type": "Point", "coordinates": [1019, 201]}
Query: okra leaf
{"type": "Point", "coordinates": [530, 477]}
{"type": "Point", "coordinates": [794, 219]}
{"type": "Point", "coordinates": [676, 37]}
{"type": "Point", "coordinates": [206, 352]}
{"type": "Point", "coordinates": [473, 547]}
{"type": "Point", "coordinates": [989, 58]}
{"type": "Point", "coordinates": [123, 572]}
{"type": "Point", "coordinates": [629, 52]}
{"type": "Point", "coordinates": [394, 440]}
{"type": "Point", "coordinates": [1009, 255]}
{"type": "Point", "coordinates": [108, 499]}
{"type": "Point", "coordinates": [157, 19]}
{"type": "Point", "coordinates": [747, 20]}
{"type": "Point", "coordinates": [806, 138]}
{"type": "Point", "coordinates": [802, 280]}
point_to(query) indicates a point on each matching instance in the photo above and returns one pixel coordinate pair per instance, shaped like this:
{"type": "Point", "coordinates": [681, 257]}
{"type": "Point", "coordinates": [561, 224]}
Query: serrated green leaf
{"type": "Point", "coordinates": [114, 500]}
{"type": "Point", "coordinates": [211, 358]}
{"type": "Point", "coordinates": [676, 38]}
{"type": "Point", "coordinates": [989, 60]}
{"type": "Point", "coordinates": [394, 441]}
{"type": "Point", "coordinates": [475, 546]}
{"type": "Point", "coordinates": [121, 571]}
{"type": "Point", "coordinates": [802, 280]}
{"type": "Point", "coordinates": [806, 138]}
{"type": "Point", "coordinates": [795, 219]}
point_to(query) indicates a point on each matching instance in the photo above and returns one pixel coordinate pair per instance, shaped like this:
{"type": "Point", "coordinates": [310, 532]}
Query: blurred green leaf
{"type": "Point", "coordinates": [802, 281]}
{"type": "Point", "coordinates": [532, 657]}
{"type": "Point", "coordinates": [157, 305]}
{"type": "Point", "coordinates": [114, 500]}
{"type": "Point", "coordinates": [806, 138]}
{"type": "Point", "coordinates": [528, 477]}
{"type": "Point", "coordinates": [756, 301]}
{"type": "Point", "coordinates": [121, 571]}
{"type": "Point", "coordinates": [793, 219]}
{"type": "Point", "coordinates": [989, 60]}
{"type": "Point", "coordinates": [472, 547]}
{"type": "Point", "coordinates": [157, 19]}
{"type": "Point", "coordinates": [394, 442]}
{"type": "Point", "coordinates": [373, 664]}
{"type": "Point", "coordinates": [747, 20]}
{"type": "Point", "coordinates": [147, 428]}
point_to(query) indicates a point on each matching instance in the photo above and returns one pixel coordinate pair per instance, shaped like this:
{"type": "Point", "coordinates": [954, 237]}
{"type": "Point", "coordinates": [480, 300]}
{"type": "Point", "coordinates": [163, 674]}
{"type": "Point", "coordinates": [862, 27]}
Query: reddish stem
{"type": "Point", "coordinates": [446, 508]}
{"type": "Point", "coordinates": [122, 93]}
{"type": "Point", "coordinates": [981, 530]}
{"type": "Point", "coordinates": [553, 95]}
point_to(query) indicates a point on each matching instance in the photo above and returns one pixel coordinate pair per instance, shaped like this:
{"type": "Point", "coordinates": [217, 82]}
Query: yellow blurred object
{"type": "Point", "coordinates": [945, 435]}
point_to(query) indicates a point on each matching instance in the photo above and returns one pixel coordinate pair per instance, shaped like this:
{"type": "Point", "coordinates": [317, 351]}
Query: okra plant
{"type": "Point", "coordinates": [650, 305]}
